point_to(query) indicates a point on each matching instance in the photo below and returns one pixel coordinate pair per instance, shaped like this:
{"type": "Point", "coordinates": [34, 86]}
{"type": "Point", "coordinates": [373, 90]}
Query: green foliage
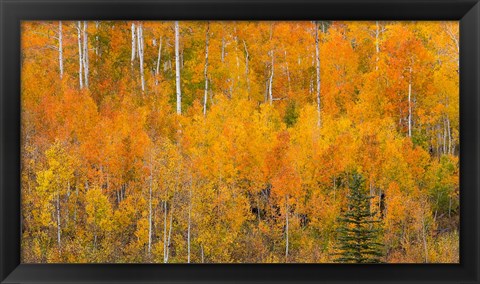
{"type": "Point", "coordinates": [291, 114]}
{"type": "Point", "coordinates": [358, 234]}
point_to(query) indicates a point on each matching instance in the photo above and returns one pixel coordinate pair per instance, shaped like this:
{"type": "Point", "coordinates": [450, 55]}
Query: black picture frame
{"type": "Point", "coordinates": [12, 12]}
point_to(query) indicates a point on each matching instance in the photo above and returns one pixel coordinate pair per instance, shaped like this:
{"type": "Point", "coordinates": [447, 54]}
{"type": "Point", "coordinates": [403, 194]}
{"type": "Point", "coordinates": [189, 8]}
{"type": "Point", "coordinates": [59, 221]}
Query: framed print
{"type": "Point", "coordinates": [271, 141]}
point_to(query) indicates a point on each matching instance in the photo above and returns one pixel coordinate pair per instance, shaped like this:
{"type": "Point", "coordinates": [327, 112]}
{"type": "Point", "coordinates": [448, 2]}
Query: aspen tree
{"type": "Point", "coordinates": [177, 68]}
{"type": "Point", "coordinates": [410, 104]}
{"type": "Point", "coordinates": [317, 61]}
{"type": "Point", "coordinates": [205, 71]}
{"type": "Point", "coordinates": [134, 39]}
{"type": "Point", "coordinates": [85, 53]}
{"type": "Point", "coordinates": [159, 57]}
{"type": "Point", "coordinates": [60, 48]}
{"type": "Point", "coordinates": [272, 68]}
{"type": "Point", "coordinates": [247, 59]}
{"type": "Point", "coordinates": [140, 44]}
{"type": "Point", "coordinates": [80, 54]}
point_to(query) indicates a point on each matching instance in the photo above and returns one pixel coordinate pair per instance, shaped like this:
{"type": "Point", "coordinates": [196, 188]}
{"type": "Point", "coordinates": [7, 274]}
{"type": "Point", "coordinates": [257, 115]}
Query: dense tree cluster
{"type": "Point", "coordinates": [209, 142]}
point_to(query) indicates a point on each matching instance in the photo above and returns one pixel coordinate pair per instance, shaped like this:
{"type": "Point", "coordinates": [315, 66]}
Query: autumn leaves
{"type": "Point", "coordinates": [191, 142]}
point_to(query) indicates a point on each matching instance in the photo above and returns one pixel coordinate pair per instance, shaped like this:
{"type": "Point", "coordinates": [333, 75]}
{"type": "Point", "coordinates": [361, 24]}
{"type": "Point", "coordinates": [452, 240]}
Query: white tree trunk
{"type": "Point", "coordinates": [272, 69]}
{"type": "Point", "coordinates": [177, 68]}
{"type": "Point", "coordinates": [377, 44]}
{"type": "Point", "coordinates": [169, 233]}
{"type": "Point", "coordinates": [410, 105]}
{"type": "Point", "coordinates": [205, 72]}
{"type": "Point", "coordinates": [286, 229]}
{"type": "Point", "coordinates": [444, 136]}
{"type": "Point", "coordinates": [159, 58]}
{"type": "Point", "coordinates": [455, 41]}
{"type": "Point", "coordinates": [140, 44]}
{"type": "Point", "coordinates": [449, 130]}
{"type": "Point", "coordinates": [59, 234]}
{"type": "Point", "coordinates": [317, 59]}
{"type": "Point", "coordinates": [97, 44]}
{"type": "Point", "coordinates": [85, 53]}
{"type": "Point", "coordinates": [60, 48]}
{"type": "Point", "coordinates": [80, 54]}
{"type": "Point", "coordinates": [270, 80]}
{"type": "Point", "coordinates": [168, 239]}
{"type": "Point", "coordinates": [133, 44]}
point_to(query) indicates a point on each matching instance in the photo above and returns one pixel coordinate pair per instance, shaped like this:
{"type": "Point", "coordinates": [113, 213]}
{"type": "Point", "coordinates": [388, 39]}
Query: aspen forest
{"type": "Point", "coordinates": [240, 142]}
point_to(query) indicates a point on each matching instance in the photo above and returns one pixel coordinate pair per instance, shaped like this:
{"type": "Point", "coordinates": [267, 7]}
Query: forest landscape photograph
{"type": "Point", "coordinates": [240, 142]}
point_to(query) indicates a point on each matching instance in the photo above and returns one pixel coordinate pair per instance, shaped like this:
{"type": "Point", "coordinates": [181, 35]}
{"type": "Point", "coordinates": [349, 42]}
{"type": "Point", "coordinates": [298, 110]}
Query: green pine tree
{"type": "Point", "coordinates": [358, 234]}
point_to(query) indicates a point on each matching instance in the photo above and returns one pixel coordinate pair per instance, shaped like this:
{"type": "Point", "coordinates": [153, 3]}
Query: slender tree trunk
{"type": "Point", "coordinates": [424, 240]}
{"type": "Point", "coordinates": [97, 43]}
{"type": "Point", "coordinates": [67, 215]}
{"type": "Point", "coordinates": [287, 71]}
{"type": "Point", "coordinates": [150, 208]}
{"type": "Point", "coordinates": [133, 44]}
{"type": "Point", "coordinates": [171, 225]}
{"type": "Point", "coordinates": [165, 231]}
{"type": "Point", "coordinates": [169, 233]}
{"type": "Point", "coordinates": [140, 44]}
{"type": "Point", "coordinates": [247, 59]}
{"type": "Point", "coordinates": [270, 80]}
{"type": "Point", "coordinates": [410, 105]}
{"type": "Point", "coordinates": [59, 233]}
{"type": "Point", "coordinates": [286, 229]}
{"type": "Point", "coordinates": [159, 57]}
{"type": "Point", "coordinates": [439, 139]}
{"type": "Point", "coordinates": [444, 136]}
{"type": "Point", "coordinates": [95, 227]}
{"type": "Point", "coordinates": [60, 48]}
{"type": "Point", "coordinates": [377, 44]}
{"type": "Point", "coordinates": [205, 71]}
{"type": "Point", "coordinates": [449, 132]}
{"type": "Point", "coordinates": [223, 50]}
{"type": "Point", "coordinates": [75, 208]}
{"type": "Point", "coordinates": [189, 222]}
{"type": "Point", "coordinates": [80, 54]}
{"type": "Point", "coordinates": [236, 54]}
{"type": "Point", "coordinates": [85, 53]}
{"type": "Point", "coordinates": [177, 68]}
{"type": "Point", "coordinates": [95, 237]}
{"type": "Point", "coordinates": [317, 59]}
{"type": "Point", "coordinates": [272, 68]}
{"type": "Point", "coordinates": [436, 207]}
{"type": "Point", "coordinates": [455, 40]}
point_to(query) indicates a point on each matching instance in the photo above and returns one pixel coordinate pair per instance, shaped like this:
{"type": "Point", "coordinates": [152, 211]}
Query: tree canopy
{"type": "Point", "coordinates": [229, 142]}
